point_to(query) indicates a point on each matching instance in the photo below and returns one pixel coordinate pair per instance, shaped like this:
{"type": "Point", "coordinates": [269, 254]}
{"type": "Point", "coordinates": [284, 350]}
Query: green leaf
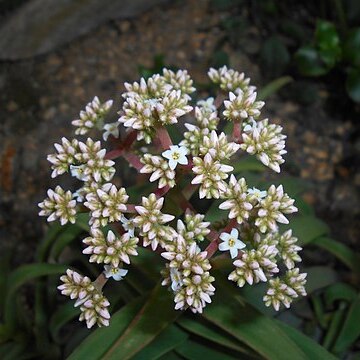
{"type": "Point", "coordinates": [309, 62]}
{"type": "Point", "coordinates": [353, 84]}
{"type": "Point", "coordinates": [339, 291]}
{"type": "Point", "coordinates": [22, 275]}
{"type": "Point", "coordinates": [341, 251]}
{"type": "Point", "coordinates": [273, 87]}
{"type": "Point", "coordinates": [248, 163]}
{"type": "Point", "coordinates": [334, 326]}
{"type": "Point", "coordinates": [308, 228]}
{"type": "Point", "coordinates": [194, 351]}
{"type": "Point", "coordinates": [352, 47]}
{"type": "Point", "coordinates": [62, 316]}
{"type": "Point", "coordinates": [214, 214]}
{"type": "Point", "coordinates": [216, 335]}
{"type": "Point", "coordinates": [64, 239]}
{"type": "Point", "coordinates": [50, 236]}
{"type": "Point", "coordinates": [350, 330]}
{"type": "Point", "coordinates": [146, 326]}
{"type": "Point", "coordinates": [328, 43]}
{"type": "Point", "coordinates": [171, 355]}
{"type": "Point", "coordinates": [168, 340]}
{"type": "Point", "coordinates": [307, 345]}
{"type": "Point", "coordinates": [250, 327]}
{"type": "Point", "coordinates": [97, 343]}
{"type": "Point", "coordinates": [319, 277]}
{"type": "Point", "coordinates": [274, 56]}
{"type": "Point", "coordinates": [129, 333]}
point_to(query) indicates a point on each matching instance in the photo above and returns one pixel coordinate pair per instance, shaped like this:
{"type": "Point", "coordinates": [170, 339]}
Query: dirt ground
{"type": "Point", "coordinates": [39, 98]}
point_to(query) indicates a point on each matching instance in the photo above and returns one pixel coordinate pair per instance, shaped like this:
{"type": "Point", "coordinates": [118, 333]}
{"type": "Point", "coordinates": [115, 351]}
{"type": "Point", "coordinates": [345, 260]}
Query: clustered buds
{"type": "Point", "coordinates": [242, 106]}
{"type": "Point", "coordinates": [194, 228]}
{"type": "Point", "coordinates": [151, 222]}
{"type": "Point", "coordinates": [210, 174]}
{"type": "Point", "coordinates": [106, 204]}
{"type": "Point", "coordinates": [93, 304]}
{"type": "Point", "coordinates": [229, 79]}
{"type": "Point", "coordinates": [198, 166]}
{"type": "Point", "coordinates": [158, 101]}
{"type": "Point", "coordinates": [285, 290]}
{"type": "Point", "coordinates": [92, 117]}
{"type": "Point", "coordinates": [110, 249]}
{"type": "Point", "coordinates": [188, 273]}
{"type": "Point", "coordinates": [60, 204]}
{"type": "Point", "coordinates": [272, 208]}
{"type": "Point", "coordinates": [266, 142]}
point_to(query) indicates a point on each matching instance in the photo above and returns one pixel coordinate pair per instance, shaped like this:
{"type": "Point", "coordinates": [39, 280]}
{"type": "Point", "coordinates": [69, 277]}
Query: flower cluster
{"type": "Point", "coordinates": [188, 274]}
{"type": "Point", "coordinates": [151, 222]}
{"type": "Point", "coordinates": [266, 142]}
{"type": "Point", "coordinates": [229, 79]}
{"type": "Point", "coordinates": [86, 160]}
{"type": "Point", "coordinates": [93, 304]}
{"type": "Point", "coordinates": [242, 106]}
{"type": "Point", "coordinates": [158, 101]}
{"type": "Point", "coordinates": [60, 204]}
{"type": "Point", "coordinates": [110, 249]}
{"type": "Point", "coordinates": [106, 204]}
{"type": "Point", "coordinates": [198, 165]}
{"type": "Point", "coordinates": [194, 228]}
{"type": "Point", "coordinates": [92, 117]}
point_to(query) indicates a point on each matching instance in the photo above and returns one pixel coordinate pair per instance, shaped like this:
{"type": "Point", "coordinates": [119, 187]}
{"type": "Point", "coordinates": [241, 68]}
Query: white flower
{"type": "Point", "coordinates": [258, 194]}
{"type": "Point", "coordinates": [250, 127]}
{"type": "Point", "coordinates": [176, 279]}
{"type": "Point", "coordinates": [128, 225]}
{"type": "Point", "coordinates": [176, 155]}
{"type": "Point", "coordinates": [78, 172]}
{"type": "Point", "coordinates": [152, 102]}
{"type": "Point", "coordinates": [116, 273]}
{"type": "Point", "coordinates": [207, 104]}
{"type": "Point", "coordinates": [231, 242]}
{"type": "Point", "coordinates": [111, 129]}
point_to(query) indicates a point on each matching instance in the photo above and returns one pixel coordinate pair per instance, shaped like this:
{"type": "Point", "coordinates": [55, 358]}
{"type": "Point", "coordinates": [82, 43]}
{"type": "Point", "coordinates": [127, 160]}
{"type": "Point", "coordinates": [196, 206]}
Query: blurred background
{"type": "Point", "coordinates": [55, 56]}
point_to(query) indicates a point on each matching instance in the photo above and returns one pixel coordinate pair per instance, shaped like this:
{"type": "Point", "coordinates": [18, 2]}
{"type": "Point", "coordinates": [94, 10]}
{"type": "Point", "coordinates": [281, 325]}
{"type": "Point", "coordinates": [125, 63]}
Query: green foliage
{"type": "Point", "coordinates": [147, 327]}
{"type": "Point", "coordinates": [274, 56]}
{"type": "Point", "coordinates": [321, 56]}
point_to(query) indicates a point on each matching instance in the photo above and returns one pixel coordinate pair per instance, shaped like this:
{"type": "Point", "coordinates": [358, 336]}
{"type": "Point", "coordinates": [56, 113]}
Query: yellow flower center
{"type": "Point", "coordinates": [114, 271]}
{"type": "Point", "coordinates": [175, 156]}
{"type": "Point", "coordinates": [231, 242]}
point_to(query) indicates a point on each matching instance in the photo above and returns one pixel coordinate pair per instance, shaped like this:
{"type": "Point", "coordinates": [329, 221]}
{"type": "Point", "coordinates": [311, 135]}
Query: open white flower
{"type": "Point", "coordinates": [128, 225]}
{"type": "Point", "coordinates": [116, 273]}
{"type": "Point", "coordinates": [78, 171]}
{"type": "Point", "coordinates": [176, 155]}
{"type": "Point", "coordinates": [231, 242]}
{"type": "Point", "coordinates": [207, 104]}
{"type": "Point", "coordinates": [258, 194]}
{"type": "Point", "coordinates": [111, 129]}
{"type": "Point", "coordinates": [250, 126]}
{"type": "Point", "coordinates": [176, 279]}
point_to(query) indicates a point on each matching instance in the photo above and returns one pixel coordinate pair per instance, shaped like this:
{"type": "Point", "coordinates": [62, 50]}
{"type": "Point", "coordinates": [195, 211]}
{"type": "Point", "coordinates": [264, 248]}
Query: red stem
{"type": "Point", "coordinates": [133, 160]}
{"type": "Point", "coordinates": [219, 100]}
{"type": "Point", "coordinates": [163, 137]}
{"type": "Point", "coordinates": [123, 146]}
{"type": "Point", "coordinates": [130, 208]}
{"type": "Point", "coordinates": [161, 192]}
{"type": "Point", "coordinates": [237, 132]}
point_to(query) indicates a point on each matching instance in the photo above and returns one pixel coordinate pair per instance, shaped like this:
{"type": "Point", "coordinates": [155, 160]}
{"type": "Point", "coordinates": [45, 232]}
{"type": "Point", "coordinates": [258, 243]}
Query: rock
{"type": "Point", "coordinates": [42, 25]}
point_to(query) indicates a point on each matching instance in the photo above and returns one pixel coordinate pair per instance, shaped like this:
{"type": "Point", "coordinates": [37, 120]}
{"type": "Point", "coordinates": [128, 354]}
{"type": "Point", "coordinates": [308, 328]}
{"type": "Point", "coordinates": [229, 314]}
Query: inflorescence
{"type": "Point", "coordinates": [201, 162]}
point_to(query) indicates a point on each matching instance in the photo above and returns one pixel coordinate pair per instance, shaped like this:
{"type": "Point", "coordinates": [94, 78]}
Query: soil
{"type": "Point", "coordinates": [39, 98]}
